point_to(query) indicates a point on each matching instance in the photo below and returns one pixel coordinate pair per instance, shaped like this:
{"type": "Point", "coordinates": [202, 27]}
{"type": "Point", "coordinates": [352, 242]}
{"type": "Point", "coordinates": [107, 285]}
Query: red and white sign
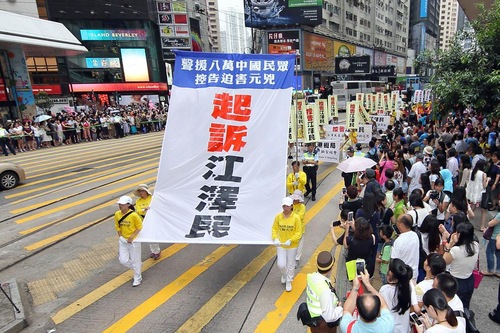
{"type": "Point", "coordinates": [112, 87]}
{"type": "Point", "coordinates": [52, 89]}
{"type": "Point", "coordinates": [3, 92]}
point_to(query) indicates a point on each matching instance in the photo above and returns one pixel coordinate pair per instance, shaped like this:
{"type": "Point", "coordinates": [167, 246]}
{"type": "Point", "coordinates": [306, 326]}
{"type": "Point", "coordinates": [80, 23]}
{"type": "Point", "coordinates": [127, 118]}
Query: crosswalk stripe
{"type": "Point", "coordinates": [203, 316]}
{"type": "Point", "coordinates": [140, 312]}
{"type": "Point", "coordinates": [89, 299]}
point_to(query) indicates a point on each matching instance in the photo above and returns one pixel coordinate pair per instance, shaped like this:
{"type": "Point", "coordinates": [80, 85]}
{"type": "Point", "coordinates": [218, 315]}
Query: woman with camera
{"type": "Point", "coordinates": [399, 294]}
{"type": "Point", "coordinates": [362, 244]}
{"type": "Point", "coordinates": [438, 200]}
{"type": "Point", "coordinates": [439, 318]}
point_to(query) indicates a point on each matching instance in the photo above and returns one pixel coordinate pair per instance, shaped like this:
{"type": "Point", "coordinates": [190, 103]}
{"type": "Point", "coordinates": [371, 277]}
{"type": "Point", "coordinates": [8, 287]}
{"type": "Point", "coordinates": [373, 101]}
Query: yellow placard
{"type": "Point", "coordinates": [332, 106]}
{"type": "Point", "coordinates": [322, 111]}
{"type": "Point", "coordinates": [352, 120]}
{"type": "Point", "coordinates": [311, 126]}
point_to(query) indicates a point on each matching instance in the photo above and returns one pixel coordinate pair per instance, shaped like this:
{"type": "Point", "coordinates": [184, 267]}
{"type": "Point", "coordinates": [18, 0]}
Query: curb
{"type": "Point", "coordinates": [17, 322]}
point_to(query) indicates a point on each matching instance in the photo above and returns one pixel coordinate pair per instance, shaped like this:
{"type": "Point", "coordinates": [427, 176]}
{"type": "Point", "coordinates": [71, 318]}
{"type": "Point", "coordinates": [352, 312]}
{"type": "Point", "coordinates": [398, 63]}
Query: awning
{"type": "Point", "coordinates": [37, 37]}
{"type": "Point", "coordinates": [470, 7]}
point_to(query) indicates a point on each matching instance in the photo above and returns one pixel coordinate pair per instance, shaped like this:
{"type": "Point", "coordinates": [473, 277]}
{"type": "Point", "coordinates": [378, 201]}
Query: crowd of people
{"type": "Point", "coordinates": [411, 219]}
{"type": "Point", "coordinates": [65, 128]}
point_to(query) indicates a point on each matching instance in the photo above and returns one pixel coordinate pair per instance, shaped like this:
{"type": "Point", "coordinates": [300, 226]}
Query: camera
{"type": "Point", "coordinates": [433, 195]}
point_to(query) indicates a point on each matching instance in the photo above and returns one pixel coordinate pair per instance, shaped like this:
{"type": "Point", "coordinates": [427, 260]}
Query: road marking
{"type": "Point", "coordinates": [287, 300]}
{"type": "Point", "coordinates": [110, 286]}
{"type": "Point", "coordinates": [76, 203]}
{"type": "Point", "coordinates": [106, 167]}
{"type": "Point", "coordinates": [208, 311]}
{"type": "Point", "coordinates": [140, 312]}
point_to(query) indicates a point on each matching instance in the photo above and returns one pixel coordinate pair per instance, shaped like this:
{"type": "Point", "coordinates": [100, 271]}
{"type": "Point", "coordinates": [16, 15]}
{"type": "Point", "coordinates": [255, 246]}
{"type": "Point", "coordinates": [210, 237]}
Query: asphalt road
{"type": "Point", "coordinates": [58, 240]}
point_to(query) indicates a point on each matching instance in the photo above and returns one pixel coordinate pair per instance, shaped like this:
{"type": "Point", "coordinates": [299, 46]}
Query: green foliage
{"type": "Point", "coordinates": [42, 100]}
{"type": "Point", "coordinates": [469, 77]}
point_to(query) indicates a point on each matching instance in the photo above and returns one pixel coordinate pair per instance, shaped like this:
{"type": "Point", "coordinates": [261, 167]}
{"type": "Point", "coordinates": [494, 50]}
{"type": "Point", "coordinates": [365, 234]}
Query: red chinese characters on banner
{"type": "Point", "coordinates": [229, 137]}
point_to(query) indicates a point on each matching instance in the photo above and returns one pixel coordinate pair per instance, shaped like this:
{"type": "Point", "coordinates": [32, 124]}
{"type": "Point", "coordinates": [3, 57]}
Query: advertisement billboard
{"type": "Point", "coordinates": [318, 53]}
{"type": "Point", "coordinates": [102, 62]}
{"type": "Point", "coordinates": [352, 65]}
{"type": "Point", "coordinates": [196, 43]}
{"type": "Point", "coordinates": [424, 5]}
{"type": "Point", "coordinates": [135, 65]}
{"type": "Point", "coordinates": [343, 49]}
{"type": "Point", "coordinates": [261, 14]}
{"type": "Point", "coordinates": [122, 34]}
{"type": "Point", "coordinates": [380, 58]}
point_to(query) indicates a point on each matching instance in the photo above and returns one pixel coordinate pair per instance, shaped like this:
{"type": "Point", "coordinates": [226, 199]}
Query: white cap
{"type": "Point", "coordinates": [124, 200]}
{"type": "Point", "coordinates": [287, 201]}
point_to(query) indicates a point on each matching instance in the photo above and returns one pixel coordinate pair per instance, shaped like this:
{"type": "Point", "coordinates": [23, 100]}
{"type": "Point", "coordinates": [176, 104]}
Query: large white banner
{"type": "Point", "coordinates": [222, 170]}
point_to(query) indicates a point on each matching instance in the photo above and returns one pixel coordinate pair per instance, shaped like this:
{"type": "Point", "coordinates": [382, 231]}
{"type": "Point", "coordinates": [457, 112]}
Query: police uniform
{"type": "Point", "coordinates": [322, 302]}
{"type": "Point", "coordinates": [310, 171]}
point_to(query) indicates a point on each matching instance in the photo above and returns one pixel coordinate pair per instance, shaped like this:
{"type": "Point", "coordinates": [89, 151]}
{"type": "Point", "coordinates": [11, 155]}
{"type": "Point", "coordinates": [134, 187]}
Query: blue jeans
{"type": "Point", "coordinates": [492, 252]}
{"type": "Point", "coordinates": [383, 277]}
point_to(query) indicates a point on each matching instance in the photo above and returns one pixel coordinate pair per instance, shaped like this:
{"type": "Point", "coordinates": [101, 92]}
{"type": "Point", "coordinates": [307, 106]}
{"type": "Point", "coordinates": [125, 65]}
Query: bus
{"type": "Point", "coordinates": [346, 90]}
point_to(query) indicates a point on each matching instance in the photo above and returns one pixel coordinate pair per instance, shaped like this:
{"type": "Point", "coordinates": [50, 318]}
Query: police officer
{"type": "Point", "coordinates": [322, 302]}
{"type": "Point", "coordinates": [310, 162]}
{"type": "Point", "coordinates": [5, 141]}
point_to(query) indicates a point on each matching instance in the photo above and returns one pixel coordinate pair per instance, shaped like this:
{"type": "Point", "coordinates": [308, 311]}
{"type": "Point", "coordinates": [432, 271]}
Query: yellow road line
{"type": "Point", "coordinates": [141, 311]}
{"type": "Point", "coordinates": [63, 155]}
{"type": "Point", "coordinates": [203, 316]}
{"type": "Point", "coordinates": [327, 171]}
{"type": "Point", "coordinates": [110, 286]}
{"type": "Point", "coordinates": [107, 168]}
{"type": "Point", "coordinates": [82, 201]}
{"type": "Point", "coordinates": [111, 173]}
{"type": "Point", "coordinates": [287, 300]}
{"type": "Point", "coordinates": [59, 236]}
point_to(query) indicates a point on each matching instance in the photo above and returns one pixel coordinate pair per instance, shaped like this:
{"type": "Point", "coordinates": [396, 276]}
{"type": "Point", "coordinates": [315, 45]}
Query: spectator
{"type": "Point", "coordinates": [362, 244]}
{"type": "Point", "coordinates": [389, 195]}
{"type": "Point", "coordinates": [399, 202]}
{"type": "Point", "coordinates": [465, 170]}
{"type": "Point", "coordinates": [438, 200]}
{"type": "Point", "coordinates": [353, 202]}
{"type": "Point", "coordinates": [440, 313]}
{"type": "Point", "coordinates": [495, 314]}
{"type": "Point", "coordinates": [372, 186]}
{"type": "Point", "coordinates": [434, 264]}
{"type": "Point", "coordinates": [461, 256]}
{"type": "Point", "coordinates": [419, 211]}
{"type": "Point", "coordinates": [406, 246]}
{"type": "Point", "coordinates": [386, 163]}
{"type": "Point", "coordinates": [431, 238]}
{"type": "Point", "coordinates": [384, 258]}
{"type": "Point", "coordinates": [491, 251]}
{"type": "Point", "coordinates": [475, 189]}
{"type": "Point", "coordinates": [373, 314]}
{"type": "Point", "coordinates": [494, 175]}
{"type": "Point", "coordinates": [399, 294]}
{"type": "Point", "coordinates": [414, 175]}
{"type": "Point", "coordinates": [449, 286]}
{"type": "Point", "coordinates": [434, 169]}
{"type": "Point", "coordinates": [452, 164]}
{"type": "Point", "coordinates": [399, 174]}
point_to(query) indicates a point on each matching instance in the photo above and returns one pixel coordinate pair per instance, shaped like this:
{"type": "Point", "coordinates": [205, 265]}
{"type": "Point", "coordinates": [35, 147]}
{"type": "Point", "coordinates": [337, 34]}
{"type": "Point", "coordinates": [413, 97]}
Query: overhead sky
{"type": "Point", "coordinates": [225, 4]}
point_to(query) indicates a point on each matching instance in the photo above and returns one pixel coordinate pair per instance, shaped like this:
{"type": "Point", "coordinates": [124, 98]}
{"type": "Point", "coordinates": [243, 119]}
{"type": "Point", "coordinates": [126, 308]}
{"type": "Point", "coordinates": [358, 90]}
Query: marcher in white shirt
{"type": "Point", "coordinates": [406, 246]}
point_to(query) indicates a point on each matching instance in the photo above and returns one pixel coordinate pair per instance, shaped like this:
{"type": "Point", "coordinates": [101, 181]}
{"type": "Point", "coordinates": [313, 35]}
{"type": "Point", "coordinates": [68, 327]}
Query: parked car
{"type": "Point", "coordinates": [11, 174]}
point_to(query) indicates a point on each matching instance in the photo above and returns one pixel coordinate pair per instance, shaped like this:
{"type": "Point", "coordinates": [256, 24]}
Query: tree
{"type": "Point", "coordinates": [43, 101]}
{"type": "Point", "coordinates": [469, 77]}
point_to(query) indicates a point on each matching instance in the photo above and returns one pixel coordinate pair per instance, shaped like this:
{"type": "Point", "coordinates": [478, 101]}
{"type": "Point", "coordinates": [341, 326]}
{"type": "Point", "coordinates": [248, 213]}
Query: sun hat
{"type": "Point", "coordinates": [298, 195]}
{"type": "Point", "coordinates": [124, 200]}
{"type": "Point", "coordinates": [287, 201]}
{"type": "Point", "coordinates": [428, 150]}
{"type": "Point", "coordinates": [324, 261]}
{"type": "Point", "coordinates": [143, 187]}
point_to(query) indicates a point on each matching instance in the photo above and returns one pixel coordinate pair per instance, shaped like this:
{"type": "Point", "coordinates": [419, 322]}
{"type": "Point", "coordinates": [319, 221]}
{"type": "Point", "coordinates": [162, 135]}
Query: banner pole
{"type": "Point", "coordinates": [296, 113]}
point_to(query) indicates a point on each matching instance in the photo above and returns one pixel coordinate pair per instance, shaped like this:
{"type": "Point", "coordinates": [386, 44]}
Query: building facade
{"type": "Point", "coordinates": [214, 25]}
{"type": "Point", "coordinates": [449, 22]}
{"type": "Point", "coordinates": [234, 36]}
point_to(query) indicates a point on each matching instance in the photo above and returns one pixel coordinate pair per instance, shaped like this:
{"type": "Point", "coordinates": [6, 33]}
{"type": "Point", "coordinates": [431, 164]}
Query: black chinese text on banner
{"type": "Point", "coordinates": [222, 176]}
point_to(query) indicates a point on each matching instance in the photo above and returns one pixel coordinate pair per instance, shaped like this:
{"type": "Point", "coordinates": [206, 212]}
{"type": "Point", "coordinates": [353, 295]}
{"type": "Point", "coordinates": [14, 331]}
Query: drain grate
{"type": "Point", "coordinates": [82, 169]}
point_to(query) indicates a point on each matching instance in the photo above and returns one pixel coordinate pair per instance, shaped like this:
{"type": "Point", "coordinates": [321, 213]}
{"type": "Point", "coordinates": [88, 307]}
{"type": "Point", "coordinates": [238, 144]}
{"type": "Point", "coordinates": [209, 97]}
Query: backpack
{"type": "Point", "coordinates": [373, 156]}
{"type": "Point", "coordinates": [470, 322]}
{"type": "Point", "coordinates": [421, 253]}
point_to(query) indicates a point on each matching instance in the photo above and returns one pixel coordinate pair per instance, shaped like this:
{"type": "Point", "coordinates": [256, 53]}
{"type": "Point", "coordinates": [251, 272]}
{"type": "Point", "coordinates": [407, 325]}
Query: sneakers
{"type": "Point", "coordinates": [283, 279]}
{"type": "Point", "coordinates": [288, 286]}
{"type": "Point", "coordinates": [137, 282]}
{"type": "Point", "coordinates": [313, 198]}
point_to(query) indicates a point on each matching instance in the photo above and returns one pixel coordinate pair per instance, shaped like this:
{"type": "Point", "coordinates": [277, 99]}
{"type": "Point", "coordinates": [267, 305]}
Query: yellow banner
{"type": "Point", "coordinates": [352, 120]}
{"type": "Point", "coordinates": [301, 103]}
{"type": "Point", "coordinates": [322, 110]}
{"type": "Point", "coordinates": [365, 117]}
{"type": "Point", "coordinates": [332, 106]}
{"type": "Point", "coordinates": [311, 126]}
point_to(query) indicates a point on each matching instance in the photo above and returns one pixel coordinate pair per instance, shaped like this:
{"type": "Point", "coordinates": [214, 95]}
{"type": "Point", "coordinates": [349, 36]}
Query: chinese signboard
{"type": "Point", "coordinates": [319, 53]}
{"type": "Point", "coordinates": [283, 13]}
{"type": "Point", "coordinates": [174, 28]}
{"type": "Point", "coordinates": [352, 65]}
{"type": "Point", "coordinates": [207, 189]}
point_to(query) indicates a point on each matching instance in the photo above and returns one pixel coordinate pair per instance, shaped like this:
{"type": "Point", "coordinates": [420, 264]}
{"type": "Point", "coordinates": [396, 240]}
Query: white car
{"type": "Point", "coordinates": [11, 174]}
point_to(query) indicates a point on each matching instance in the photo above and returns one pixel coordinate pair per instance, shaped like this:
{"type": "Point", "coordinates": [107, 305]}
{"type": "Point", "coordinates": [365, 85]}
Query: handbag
{"type": "Point", "coordinates": [478, 277]}
{"type": "Point", "coordinates": [486, 202]}
{"type": "Point", "coordinates": [488, 233]}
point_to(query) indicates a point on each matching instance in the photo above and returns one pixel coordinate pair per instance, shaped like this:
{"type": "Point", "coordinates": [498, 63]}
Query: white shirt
{"type": "Point", "coordinates": [452, 165]}
{"type": "Point", "coordinates": [438, 328]}
{"type": "Point", "coordinates": [401, 322]}
{"type": "Point", "coordinates": [432, 204]}
{"type": "Point", "coordinates": [406, 248]}
{"type": "Point", "coordinates": [461, 267]}
{"type": "Point", "coordinates": [456, 305]}
{"type": "Point", "coordinates": [416, 170]}
{"type": "Point", "coordinates": [421, 212]}
{"type": "Point", "coordinates": [423, 287]}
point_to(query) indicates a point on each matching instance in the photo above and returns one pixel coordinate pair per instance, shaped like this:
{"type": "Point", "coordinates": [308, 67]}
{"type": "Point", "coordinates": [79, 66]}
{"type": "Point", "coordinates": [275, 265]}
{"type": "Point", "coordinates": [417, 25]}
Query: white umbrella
{"type": "Point", "coordinates": [355, 164]}
{"type": "Point", "coordinates": [41, 118]}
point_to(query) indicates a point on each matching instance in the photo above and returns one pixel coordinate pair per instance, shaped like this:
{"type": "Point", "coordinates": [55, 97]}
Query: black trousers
{"type": "Point", "coordinates": [311, 178]}
{"type": "Point", "coordinates": [5, 142]}
{"type": "Point", "coordinates": [465, 290]}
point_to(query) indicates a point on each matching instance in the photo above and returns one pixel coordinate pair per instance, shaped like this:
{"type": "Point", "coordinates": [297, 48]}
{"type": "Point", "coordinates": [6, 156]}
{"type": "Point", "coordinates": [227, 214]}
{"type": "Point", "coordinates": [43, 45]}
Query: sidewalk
{"type": "Point", "coordinates": [10, 320]}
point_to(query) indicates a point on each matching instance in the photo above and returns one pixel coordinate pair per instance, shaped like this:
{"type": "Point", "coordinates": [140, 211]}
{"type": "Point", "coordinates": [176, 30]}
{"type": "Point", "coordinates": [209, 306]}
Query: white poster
{"type": "Point", "coordinates": [364, 134]}
{"type": "Point", "coordinates": [329, 151]}
{"type": "Point", "coordinates": [221, 175]}
{"type": "Point", "coordinates": [382, 122]}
